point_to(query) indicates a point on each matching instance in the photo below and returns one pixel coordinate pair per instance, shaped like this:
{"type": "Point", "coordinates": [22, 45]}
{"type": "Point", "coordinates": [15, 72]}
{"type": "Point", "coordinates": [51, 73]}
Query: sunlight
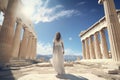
{"type": "Point", "coordinates": [30, 7]}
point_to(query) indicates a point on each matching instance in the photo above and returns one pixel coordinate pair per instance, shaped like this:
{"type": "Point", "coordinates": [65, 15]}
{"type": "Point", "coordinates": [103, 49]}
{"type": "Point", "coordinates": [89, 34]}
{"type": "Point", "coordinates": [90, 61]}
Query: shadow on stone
{"type": "Point", "coordinates": [70, 77]}
{"type": "Point", "coordinates": [6, 73]}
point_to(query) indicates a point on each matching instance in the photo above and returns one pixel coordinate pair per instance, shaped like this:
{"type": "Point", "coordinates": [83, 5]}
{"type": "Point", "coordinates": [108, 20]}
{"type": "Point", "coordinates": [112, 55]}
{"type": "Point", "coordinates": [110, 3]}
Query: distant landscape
{"type": "Point", "coordinates": [67, 58]}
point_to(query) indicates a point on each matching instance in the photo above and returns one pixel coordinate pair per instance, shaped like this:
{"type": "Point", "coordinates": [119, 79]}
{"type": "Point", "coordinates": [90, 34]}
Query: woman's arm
{"type": "Point", "coordinates": [53, 46]}
{"type": "Point", "coordinates": [63, 47]}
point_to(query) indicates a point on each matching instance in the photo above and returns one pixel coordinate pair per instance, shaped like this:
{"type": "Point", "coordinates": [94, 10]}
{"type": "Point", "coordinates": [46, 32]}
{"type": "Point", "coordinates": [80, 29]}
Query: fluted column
{"type": "Point", "coordinates": [113, 26]}
{"type": "Point", "coordinates": [0, 27]}
{"type": "Point", "coordinates": [104, 45]}
{"type": "Point", "coordinates": [87, 49]}
{"type": "Point", "coordinates": [16, 39]}
{"type": "Point", "coordinates": [97, 46]}
{"type": "Point", "coordinates": [92, 53]}
{"type": "Point", "coordinates": [93, 45]}
{"type": "Point", "coordinates": [29, 46]}
{"type": "Point", "coordinates": [23, 45]}
{"type": "Point", "coordinates": [7, 31]}
{"type": "Point", "coordinates": [34, 48]}
{"type": "Point", "coordinates": [83, 49]}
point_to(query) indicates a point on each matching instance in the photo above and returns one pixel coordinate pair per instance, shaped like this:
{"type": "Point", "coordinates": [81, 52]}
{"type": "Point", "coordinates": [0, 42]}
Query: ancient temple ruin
{"type": "Point", "coordinates": [17, 36]}
{"type": "Point", "coordinates": [95, 48]}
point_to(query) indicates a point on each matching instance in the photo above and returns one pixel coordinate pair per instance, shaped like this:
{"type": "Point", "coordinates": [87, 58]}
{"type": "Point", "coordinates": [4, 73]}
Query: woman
{"type": "Point", "coordinates": [58, 52]}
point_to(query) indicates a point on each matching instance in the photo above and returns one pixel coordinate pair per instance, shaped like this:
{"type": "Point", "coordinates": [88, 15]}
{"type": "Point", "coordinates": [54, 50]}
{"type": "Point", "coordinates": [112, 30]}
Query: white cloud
{"type": "Point", "coordinates": [48, 15]}
{"type": "Point", "coordinates": [70, 38]}
{"type": "Point", "coordinates": [93, 10]}
{"type": "Point", "coordinates": [39, 11]}
{"type": "Point", "coordinates": [29, 7]}
{"type": "Point", "coordinates": [81, 3]}
{"type": "Point", "coordinates": [43, 48]}
{"type": "Point", "coordinates": [46, 49]}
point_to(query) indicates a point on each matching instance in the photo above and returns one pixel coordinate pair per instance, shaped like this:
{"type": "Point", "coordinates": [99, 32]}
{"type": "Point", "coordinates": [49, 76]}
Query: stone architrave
{"type": "Point", "coordinates": [7, 31]}
{"type": "Point", "coordinates": [104, 45]}
{"type": "Point", "coordinates": [97, 46]}
{"type": "Point", "coordinates": [91, 49]}
{"type": "Point", "coordinates": [113, 27]}
{"type": "Point", "coordinates": [87, 49]}
{"type": "Point", "coordinates": [83, 49]}
{"type": "Point", "coordinates": [23, 45]}
{"type": "Point", "coordinates": [16, 39]}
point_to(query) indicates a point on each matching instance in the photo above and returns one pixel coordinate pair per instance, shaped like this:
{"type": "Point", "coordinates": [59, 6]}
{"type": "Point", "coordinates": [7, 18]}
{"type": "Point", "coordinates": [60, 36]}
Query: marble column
{"type": "Point", "coordinates": [16, 39]}
{"type": "Point", "coordinates": [34, 45]}
{"type": "Point", "coordinates": [93, 44]}
{"type": "Point", "coordinates": [97, 46]}
{"type": "Point", "coordinates": [0, 27]}
{"type": "Point", "coordinates": [104, 45]}
{"type": "Point", "coordinates": [23, 45]}
{"type": "Point", "coordinates": [32, 48]}
{"type": "Point", "coordinates": [35, 48]}
{"type": "Point", "coordinates": [87, 49]}
{"type": "Point", "coordinates": [7, 32]}
{"type": "Point", "coordinates": [91, 48]}
{"type": "Point", "coordinates": [29, 46]}
{"type": "Point", "coordinates": [83, 49]}
{"type": "Point", "coordinates": [113, 27]}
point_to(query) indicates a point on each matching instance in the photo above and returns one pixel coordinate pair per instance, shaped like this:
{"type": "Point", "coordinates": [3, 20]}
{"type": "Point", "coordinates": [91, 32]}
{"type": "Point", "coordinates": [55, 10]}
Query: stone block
{"type": "Point", "coordinates": [112, 71]}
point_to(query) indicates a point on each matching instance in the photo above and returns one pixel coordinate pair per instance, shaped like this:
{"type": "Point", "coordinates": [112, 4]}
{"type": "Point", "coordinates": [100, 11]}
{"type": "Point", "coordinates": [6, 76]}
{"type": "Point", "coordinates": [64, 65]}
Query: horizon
{"type": "Point", "coordinates": [64, 55]}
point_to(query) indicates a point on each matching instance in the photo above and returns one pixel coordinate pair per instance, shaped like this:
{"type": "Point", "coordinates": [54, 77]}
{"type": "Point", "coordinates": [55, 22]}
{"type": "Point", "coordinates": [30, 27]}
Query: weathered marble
{"type": "Point", "coordinates": [7, 31]}
{"type": "Point", "coordinates": [23, 45]}
{"type": "Point", "coordinates": [113, 26]}
{"type": "Point", "coordinates": [16, 39]}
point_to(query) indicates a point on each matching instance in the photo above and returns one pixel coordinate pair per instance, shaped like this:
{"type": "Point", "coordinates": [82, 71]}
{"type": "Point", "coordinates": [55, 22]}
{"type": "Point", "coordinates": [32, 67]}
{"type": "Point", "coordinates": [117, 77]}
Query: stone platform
{"type": "Point", "coordinates": [80, 70]}
{"type": "Point", "coordinates": [86, 76]}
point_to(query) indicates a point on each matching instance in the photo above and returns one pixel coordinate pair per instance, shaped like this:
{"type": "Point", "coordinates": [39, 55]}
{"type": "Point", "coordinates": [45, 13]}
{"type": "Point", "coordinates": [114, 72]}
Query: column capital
{"type": "Point", "coordinates": [31, 35]}
{"type": "Point", "coordinates": [83, 40]}
{"type": "Point", "coordinates": [25, 26]}
{"type": "Point", "coordinates": [19, 21]}
{"type": "Point", "coordinates": [100, 1]}
{"type": "Point", "coordinates": [91, 35]}
{"type": "Point", "coordinates": [96, 33]}
{"type": "Point", "coordinates": [86, 38]}
{"type": "Point", "coordinates": [101, 30]}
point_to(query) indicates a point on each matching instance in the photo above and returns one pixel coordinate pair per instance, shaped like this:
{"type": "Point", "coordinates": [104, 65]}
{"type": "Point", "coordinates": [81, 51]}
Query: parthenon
{"type": "Point", "coordinates": [95, 48]}
{"type": "Point", "coordinates": [17, 36]}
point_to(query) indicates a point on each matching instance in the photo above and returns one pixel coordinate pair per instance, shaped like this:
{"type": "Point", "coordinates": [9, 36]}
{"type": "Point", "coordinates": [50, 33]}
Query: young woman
{"type": "Point", "coordinates": [58, 54]}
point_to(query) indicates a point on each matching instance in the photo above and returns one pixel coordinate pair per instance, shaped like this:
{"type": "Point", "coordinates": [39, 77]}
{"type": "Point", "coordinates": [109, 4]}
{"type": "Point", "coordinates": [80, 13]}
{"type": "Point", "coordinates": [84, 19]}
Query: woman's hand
{"type": "Point", "coordinates": [63, 51]}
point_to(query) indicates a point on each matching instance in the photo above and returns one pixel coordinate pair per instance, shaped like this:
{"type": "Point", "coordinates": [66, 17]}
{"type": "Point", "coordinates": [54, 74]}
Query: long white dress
{"type": "Point", "coordinates": [58, 57]}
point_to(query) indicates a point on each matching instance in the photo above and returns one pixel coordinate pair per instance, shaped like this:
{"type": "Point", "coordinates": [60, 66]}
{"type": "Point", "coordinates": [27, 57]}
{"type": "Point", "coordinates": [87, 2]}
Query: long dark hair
{"type": "Point", "coordinates": [58, 36]}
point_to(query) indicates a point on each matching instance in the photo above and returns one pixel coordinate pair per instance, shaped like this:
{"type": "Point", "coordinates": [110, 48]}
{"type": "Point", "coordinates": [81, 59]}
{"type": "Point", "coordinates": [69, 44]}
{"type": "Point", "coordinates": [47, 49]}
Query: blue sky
{"type": "Point", "coordinates": [69, 17]}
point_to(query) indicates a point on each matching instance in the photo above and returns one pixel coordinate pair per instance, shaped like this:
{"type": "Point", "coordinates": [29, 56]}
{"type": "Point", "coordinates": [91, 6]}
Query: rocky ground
{"type": "Point", "coordinates": [80, 70]}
